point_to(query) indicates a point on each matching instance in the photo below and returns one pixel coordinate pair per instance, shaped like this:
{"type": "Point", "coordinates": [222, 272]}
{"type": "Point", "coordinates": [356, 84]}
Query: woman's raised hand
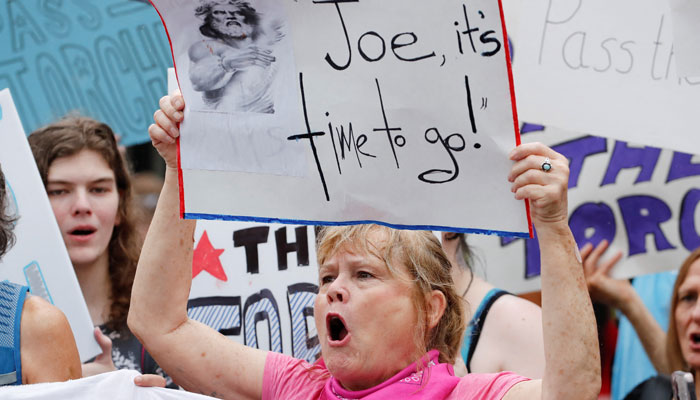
{"type": "Point", "coordinates": [603, 288]}
{"type": "Point", "coordinates": [165, 131]}
{"type": "Point", "coordinates": [541, 175]}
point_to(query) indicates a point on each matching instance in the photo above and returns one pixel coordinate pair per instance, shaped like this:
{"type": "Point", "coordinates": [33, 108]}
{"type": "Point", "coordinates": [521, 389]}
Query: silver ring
{"type": "Point", "coordinates": [546, 165]}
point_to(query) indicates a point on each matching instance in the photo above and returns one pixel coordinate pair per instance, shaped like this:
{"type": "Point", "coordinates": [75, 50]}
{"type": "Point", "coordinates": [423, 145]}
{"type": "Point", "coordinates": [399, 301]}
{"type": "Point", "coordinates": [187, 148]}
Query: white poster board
{"type": "Point", "coordinates": [115, 385]}
{"type": "Point", "coordinates": [256, 283]}
{"type": "Point", "coordinates": [39, 258]}
{"type": "Point", "coordinates": [390, 111]}
{"type": "Point", "coordinates": [607, 68]}
{"type": "Point", "coordinates": [644, 200]}
{"type": "Point", "coordinates": [685, 15]}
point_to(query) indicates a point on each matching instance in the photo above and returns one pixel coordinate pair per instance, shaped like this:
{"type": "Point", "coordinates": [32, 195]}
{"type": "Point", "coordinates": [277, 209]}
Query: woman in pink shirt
{"type": "Point", "coordinates": [388, 318]}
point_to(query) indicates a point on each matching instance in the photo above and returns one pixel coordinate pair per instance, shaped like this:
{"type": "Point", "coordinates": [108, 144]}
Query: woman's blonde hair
{"type": "Point", "coordinates": [674, 354]}
{"type": "Point", "coordinates": [426, 264]}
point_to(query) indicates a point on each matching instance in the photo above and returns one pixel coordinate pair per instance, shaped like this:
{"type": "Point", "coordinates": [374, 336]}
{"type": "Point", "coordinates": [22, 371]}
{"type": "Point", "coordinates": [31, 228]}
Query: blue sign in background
{"type": "Point", "coordinates": [106, 59]}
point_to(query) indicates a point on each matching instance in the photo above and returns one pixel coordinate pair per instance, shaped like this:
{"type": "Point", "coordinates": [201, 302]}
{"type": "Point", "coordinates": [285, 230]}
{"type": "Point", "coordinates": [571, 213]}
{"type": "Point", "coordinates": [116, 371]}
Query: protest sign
{"type": "Point", "coordinates": [380, 111]}
{"type": "Point", "coordinates": [117, 385]}
{"type": "Point", "coordinates": [256, 283]}
{"type": "Point", "coordinates": [592, 67]}
{"type": "Point", "coordinates": [685, 16]}
{"type": "Point", "coordinates": [39, 258]}
{"type": "Point", "coordinates": [105, 59]}
{"type": "Point", "coordinates": [644, 200]}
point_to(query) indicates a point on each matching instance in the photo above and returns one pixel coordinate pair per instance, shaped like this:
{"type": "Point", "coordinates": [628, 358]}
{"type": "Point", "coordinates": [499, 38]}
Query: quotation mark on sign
{"type": "Point", "coordinates": [484, 102]}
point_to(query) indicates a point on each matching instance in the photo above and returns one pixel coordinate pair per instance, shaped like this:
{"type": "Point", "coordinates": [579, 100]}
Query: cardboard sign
{"type": "Point", "coordinates": [105, 59]}
{"type": "Point", "coordinates": [607, 68]}
{"type": "Point", "coordinates": [256, 283]}
{"type": "Point", "coordinates": [644, 200]}
{"type": "Point", "coordinates": [380, 111]}
{"type": "Point", "coordinates": [39, 258]}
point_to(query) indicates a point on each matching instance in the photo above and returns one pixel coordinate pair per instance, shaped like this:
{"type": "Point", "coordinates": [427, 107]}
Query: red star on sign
{"type": "Point", "coordinates": [206, 258]}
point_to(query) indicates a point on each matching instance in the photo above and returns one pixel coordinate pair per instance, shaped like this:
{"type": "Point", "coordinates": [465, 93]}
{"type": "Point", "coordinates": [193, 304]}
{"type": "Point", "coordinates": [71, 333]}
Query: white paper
{"type": "Point", "coordinates": [685, 15]}
{"type": "Point", "coordinates": [39, 258]}
{"type": "Point", "coordinates": [241, 120]}
{"type": "Point", "coordinates": [378, 156]}
{"type": "Point", "coordinates": [607, 68]}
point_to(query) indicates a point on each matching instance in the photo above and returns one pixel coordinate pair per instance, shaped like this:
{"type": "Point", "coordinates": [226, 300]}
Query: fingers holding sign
{"type": "Point", "coordinates": [103, 362]}
{"type": "Point", "coordinates": [165, 131]}
{"type": "Point", "coordinates": [150, 380]}
{"type": "Point", "coordinates": [540, 175]}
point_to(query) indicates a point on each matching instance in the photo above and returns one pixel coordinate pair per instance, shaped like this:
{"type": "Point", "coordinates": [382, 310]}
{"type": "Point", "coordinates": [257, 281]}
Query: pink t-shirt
{"type": "Point", "coordinates": [287, 378]}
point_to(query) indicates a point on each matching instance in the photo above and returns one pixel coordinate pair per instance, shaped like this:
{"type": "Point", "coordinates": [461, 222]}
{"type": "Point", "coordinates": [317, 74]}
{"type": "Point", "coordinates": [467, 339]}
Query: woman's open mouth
{"type": "Point", "coordinates": [82, 233]}
{"type": "Point", "coordinates": [695, 340]}
{"type": "Point", "coordinates": [338, 334]}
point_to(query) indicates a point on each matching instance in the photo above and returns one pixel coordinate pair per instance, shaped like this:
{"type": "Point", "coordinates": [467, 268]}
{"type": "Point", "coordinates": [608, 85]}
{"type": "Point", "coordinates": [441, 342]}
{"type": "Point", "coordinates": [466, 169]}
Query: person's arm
{"type": "Point", "coordinates": [620, 294]}
{"type": "Point", "coordinates": [207, 70]}
{"type": "Point", "coordinates": [572, 355]}
{"type": "Point", "coordinates": [47, 347]}
{"type": "Point", "coordinates": [213, 64]}
{"type": "Point", "coordinates": [196, 357]}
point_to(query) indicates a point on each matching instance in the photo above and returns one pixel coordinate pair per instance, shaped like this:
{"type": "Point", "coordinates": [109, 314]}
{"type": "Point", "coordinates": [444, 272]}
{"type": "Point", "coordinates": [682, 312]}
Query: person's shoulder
{"type": "Point", "coordinates": [510, 310]}
{"type": "Point", "coordinates": [206, 48]}
{"type": "Point", "coordinates": [46, 341]}
{"type": "Point", "coordinates": [43, 326]}
{"type": "Point", "coordinates": [512, 338]}
{"type": "Point", "coordinates": [41, 318]}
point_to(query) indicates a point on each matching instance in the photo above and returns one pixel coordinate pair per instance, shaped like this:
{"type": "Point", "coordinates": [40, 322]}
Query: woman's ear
{"type": "Point", "coordinates": [436, 307]}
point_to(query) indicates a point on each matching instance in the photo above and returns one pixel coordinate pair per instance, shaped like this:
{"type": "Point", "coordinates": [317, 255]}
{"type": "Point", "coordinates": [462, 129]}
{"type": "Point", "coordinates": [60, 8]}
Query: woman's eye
{"type": "Point", "coordinates": [364, 275]}
{"type": "Point", "coordinates": [688, 297]}
{"type": "Point", "coordinates": [99, 190]}
{"type": "Point", "coordinates": [56, 192]}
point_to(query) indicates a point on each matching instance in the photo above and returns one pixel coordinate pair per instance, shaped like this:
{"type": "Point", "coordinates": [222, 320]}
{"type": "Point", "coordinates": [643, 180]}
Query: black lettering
{"type": "Point", "coordinates": [301, 247]}
{"type": "Point", "coordinates": [362, 52]}
{"type": "Point", "coordinates": [485, 39]}
{"type": "Point", "coordinates": [395, 45]}
{"type": "Point", "coordinates": [386, 125]}
{"type": "Point", "coordinates": [310, 135]}
{"type": "Point", "coordinates": [250, 239]}
{"type": "Point", "coordinates": [452, 174]}
{"type": "Point", "coordinates": [361, 140]}
{"type": "Point", "coordinates": [469, 30]}
{"type": "Point", "coordinates": [328, 58]}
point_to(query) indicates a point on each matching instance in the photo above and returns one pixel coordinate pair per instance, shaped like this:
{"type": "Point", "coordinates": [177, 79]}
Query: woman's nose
{"type": "Point", "coordinates": [82, 203]}
{"type": "Point", "coordinates": [337, 292]}
{"type": "Point", "coordinates": [695, 312]}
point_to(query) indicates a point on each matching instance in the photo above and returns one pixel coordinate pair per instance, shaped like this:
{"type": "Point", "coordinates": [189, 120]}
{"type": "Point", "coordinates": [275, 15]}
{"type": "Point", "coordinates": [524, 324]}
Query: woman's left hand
{"type": "Point", "coordinates": [546, 188]}
{"type": "Point", "coordinates": [103, 363]}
